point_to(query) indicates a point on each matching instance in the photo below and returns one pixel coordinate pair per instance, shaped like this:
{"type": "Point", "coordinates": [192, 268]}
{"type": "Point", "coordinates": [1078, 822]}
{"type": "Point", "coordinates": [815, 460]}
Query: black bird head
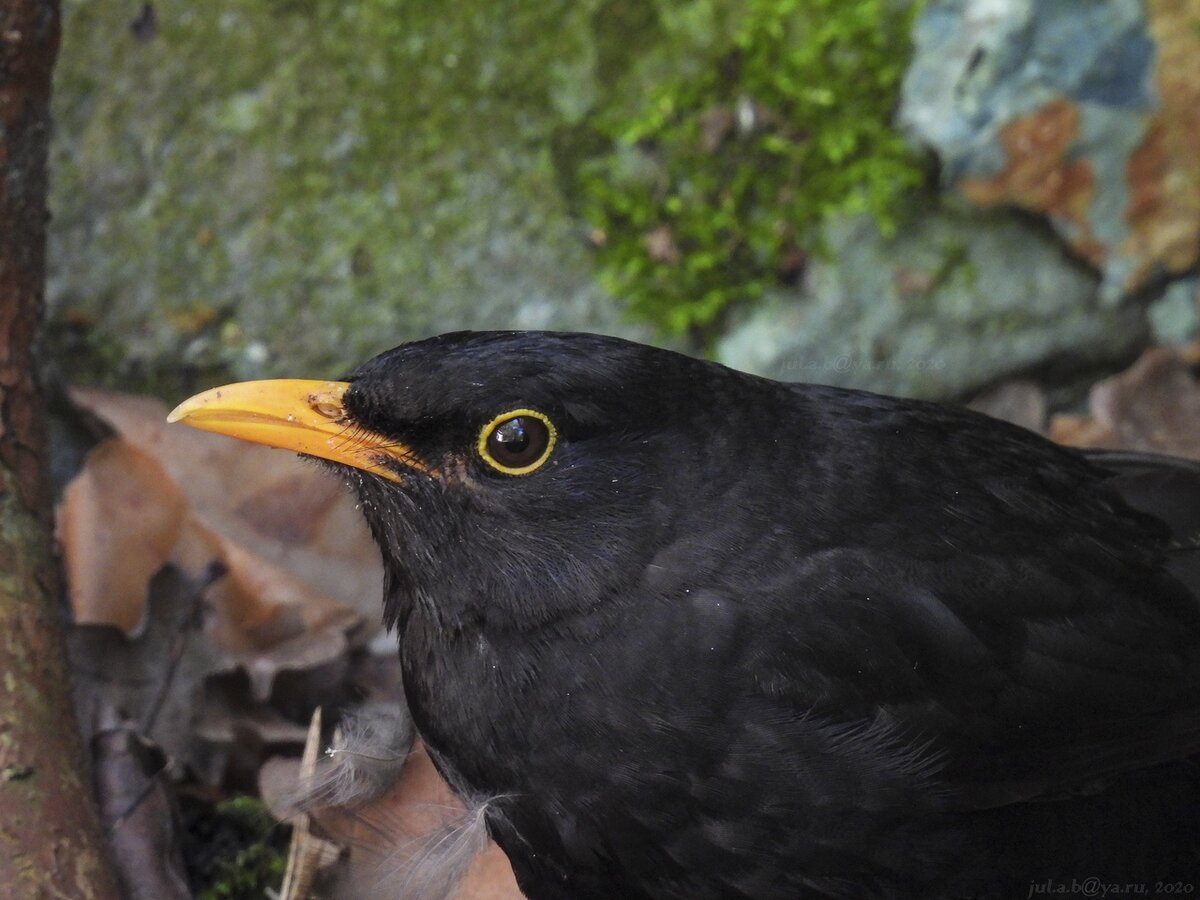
{"type": "Point", "coordinates": [513, 476]}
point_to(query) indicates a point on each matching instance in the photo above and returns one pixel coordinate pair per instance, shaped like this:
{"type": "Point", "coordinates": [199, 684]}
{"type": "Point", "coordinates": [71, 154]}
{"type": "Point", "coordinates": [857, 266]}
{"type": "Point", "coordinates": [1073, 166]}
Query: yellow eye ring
{"type": "Point", "coordinates": [517, 442]}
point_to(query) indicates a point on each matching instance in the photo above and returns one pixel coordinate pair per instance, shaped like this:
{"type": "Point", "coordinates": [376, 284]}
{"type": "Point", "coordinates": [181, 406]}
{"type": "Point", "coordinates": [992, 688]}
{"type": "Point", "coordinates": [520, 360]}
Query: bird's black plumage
{"type": "Point", "coordinates": [737, 638]}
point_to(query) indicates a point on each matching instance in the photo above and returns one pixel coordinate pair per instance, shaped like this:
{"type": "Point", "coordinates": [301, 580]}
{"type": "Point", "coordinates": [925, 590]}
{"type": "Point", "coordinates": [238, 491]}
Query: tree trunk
{"type": "Point", "coordinates": [51, 843]}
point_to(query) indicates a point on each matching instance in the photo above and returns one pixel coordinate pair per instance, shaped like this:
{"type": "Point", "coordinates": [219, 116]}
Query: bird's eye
{"type": "Point", "coordinates": [517, 442]}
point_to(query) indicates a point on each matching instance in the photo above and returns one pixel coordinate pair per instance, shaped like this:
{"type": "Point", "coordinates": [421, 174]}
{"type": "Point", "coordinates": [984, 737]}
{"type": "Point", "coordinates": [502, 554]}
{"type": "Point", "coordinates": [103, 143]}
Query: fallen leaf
{"type": "Point", "coordinates": [387, 838]}
{"type": "Point", "coordinates": [1153, 406]}
{"type": "Point", "coordinates": [155, 679]}
{"type": "Point", "coordinates": [1020, 402]}
{"type": "Point", "coordinates": [118, 523]}
{"type": "Point", "coordinates": [139, 816]}
{"type": "Point", "coordinates": [274, 505]}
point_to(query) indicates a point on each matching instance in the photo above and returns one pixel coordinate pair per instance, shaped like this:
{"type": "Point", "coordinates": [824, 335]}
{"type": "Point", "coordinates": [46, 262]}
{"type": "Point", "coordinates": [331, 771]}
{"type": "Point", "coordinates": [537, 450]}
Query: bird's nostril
{"type": "Point", "coordinates": [326, 405]}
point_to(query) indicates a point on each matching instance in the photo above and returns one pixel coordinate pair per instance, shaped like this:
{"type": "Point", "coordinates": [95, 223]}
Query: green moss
{"type": "Point", "coordinates": [235, 850]}
{"type": "Point", "coordinates": [247, 875]}
{"type": "Point", "coordinates": [732, 142]}
{"type": "Point", "coordinates": [286, 187]}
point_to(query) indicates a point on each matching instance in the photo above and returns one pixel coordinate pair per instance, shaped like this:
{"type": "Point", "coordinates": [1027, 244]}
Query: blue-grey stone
{"type": "Point", "coordinates": [954, 303]}
{"type": "Point", "coordinates": [980, 65]}
{"type": "Point", "coordinates": [1174, 317]}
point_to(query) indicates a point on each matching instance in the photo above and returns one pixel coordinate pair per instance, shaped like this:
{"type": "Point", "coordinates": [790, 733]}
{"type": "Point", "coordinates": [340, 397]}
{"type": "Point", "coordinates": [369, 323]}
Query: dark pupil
{"type": "Point", "coordinates": [512, 436]}
{"type": "Point", "coordinates": [518, 441]}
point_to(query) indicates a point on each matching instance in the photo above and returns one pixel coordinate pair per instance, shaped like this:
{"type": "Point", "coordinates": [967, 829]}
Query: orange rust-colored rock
{"type": "Point", "coordinates": [1107, 150]}
{"type": "Point", "coordinates": [1040, 173]}
{"type": "Point", "coordinates": [1163, 172]}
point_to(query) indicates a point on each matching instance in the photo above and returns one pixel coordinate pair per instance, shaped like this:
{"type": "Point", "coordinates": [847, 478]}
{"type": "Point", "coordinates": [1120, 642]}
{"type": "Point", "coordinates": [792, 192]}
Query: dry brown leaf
{"type": "Point", "coordinates": [256, 607]}
{"type": "Point", "coordinates": [419, 802]}
{"type": "Point", "coordinates": [310, 651]}
{"type": "Point", "coordinates": [139, 816]}
{"type": "Point", "coordinates": [1020, 402]}
{"type": "Point", "coordinates": [276, 506]}
{"type": "Point", "coordinates": [1153, 406]}
{"type": "Point", "coordinates": [260, 550]}
{"type": "Point", "coordinates": [270, 621]}
{"type": "Point", "coordinates": [155, 679]}
{"type": "Point", "coordinates": [490, 878]}
{"type": "Point", "coordinates": [381, 835]}
{"type": "Point", "coordinates": [234, 734]}
{"type": "Point", "coordinates": [198, 549]}
{"type": "Point", "coordinates": [265, 518]}
{"type": "Point", "coordinates": [118, 523]}
{"type": "Point", "coordinates": [278, 780]}
{"type": "Point", "coordinates": [1081, 431]}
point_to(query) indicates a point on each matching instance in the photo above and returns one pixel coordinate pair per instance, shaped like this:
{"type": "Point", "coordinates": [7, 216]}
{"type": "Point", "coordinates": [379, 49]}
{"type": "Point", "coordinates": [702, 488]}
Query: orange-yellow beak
{"type": "Point", "coordinates": [292, 414]}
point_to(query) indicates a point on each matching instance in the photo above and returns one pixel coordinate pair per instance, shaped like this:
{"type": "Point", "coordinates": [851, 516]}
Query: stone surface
{"type": "Point", "coordinates": [1175, 317]}
{"type": "Point", "coordinates": [271, 188]}
{"type": "Point", "coordinates": [278, 189]}
{"type": "Point", "coordinates": [948, 306]}
{"type": "Point", "coordinates": [1088, 113]}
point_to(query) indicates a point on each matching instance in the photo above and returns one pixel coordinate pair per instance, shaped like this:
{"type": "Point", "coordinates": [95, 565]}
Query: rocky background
{"type": "Point", "coordinates": [259, 188]}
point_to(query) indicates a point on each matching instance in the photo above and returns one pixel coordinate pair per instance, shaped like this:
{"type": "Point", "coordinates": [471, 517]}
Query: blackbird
{"type": "Point", "coordinates": [699, 634]}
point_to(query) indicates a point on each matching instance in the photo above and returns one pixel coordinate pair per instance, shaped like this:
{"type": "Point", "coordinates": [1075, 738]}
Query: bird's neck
{"type": "Point", "coordinates": [485, 685]}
